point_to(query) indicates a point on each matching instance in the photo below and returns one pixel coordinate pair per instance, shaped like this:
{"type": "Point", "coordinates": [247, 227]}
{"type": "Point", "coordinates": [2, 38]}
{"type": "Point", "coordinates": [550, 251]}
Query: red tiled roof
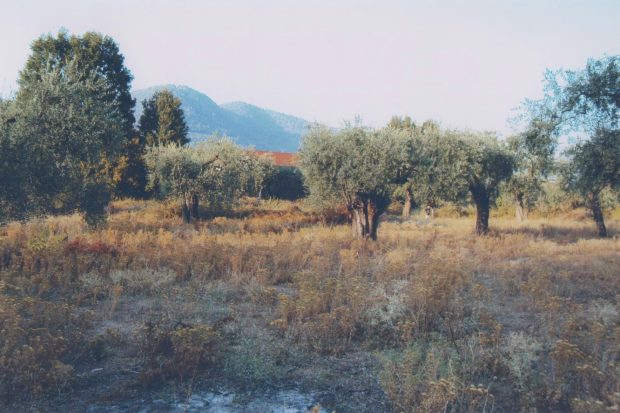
{"type": "Point", "coordinates": [280, 158]}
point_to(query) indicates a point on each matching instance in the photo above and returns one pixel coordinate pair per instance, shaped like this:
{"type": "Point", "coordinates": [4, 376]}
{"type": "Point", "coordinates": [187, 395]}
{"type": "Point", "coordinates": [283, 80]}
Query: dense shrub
{"type": "Point", "coordinates": [175, 351]}
{"type": "Point", "coordinates": [39, 343]}
{"type": "Point", "coordinates": [285, 183]}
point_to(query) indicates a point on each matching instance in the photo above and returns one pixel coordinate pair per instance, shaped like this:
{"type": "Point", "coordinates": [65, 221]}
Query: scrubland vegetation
{"type": "Point", "coordinates": [133, 263]}
{"type": "Point", "coordinates": [429, 318]}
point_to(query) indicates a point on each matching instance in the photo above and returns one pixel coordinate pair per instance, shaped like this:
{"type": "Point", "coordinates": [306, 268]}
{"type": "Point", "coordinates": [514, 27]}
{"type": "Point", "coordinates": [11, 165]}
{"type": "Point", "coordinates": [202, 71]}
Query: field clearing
{"type": "Point", "coordinates": [428, 318]}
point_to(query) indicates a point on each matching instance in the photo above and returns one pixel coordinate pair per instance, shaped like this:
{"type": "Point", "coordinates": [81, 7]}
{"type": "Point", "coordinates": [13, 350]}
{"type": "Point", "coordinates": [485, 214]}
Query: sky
{"type": "Point", "coordinates": [468, 64]}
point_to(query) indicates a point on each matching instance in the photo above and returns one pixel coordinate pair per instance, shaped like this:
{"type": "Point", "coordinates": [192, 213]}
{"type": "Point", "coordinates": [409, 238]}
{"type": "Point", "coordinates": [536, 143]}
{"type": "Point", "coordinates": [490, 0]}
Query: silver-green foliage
{"type": "Point", "coordinates": [533, 152]}
{"type": "Point", "coordinates": [217, 172]}
{"type": "Point", "coordinates": [456, 165]}
{"type": "Point", "coordinates": [585, 105]}
{"type": "Point", "coordinates": [356, 166]}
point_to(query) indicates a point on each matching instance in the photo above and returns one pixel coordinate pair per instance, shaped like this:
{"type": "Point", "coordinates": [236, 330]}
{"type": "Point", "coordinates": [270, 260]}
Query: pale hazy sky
{"type": "Point", "coordinates": [465, 63]}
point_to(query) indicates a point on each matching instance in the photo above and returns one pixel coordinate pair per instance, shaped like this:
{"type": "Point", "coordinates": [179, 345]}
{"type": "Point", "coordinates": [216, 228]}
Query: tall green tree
{"type": "Point", "coordinates": [95, 55]}
{"type": "Point", "coordinates": [64, 131]}
{"type": "Point", "coordinates": [163, 121]}
{"type": "Point", "coordinates": [11, 165]}
{"type": "Point", "coordinates": [356, 166]}
{"type": "Point", "coordinates": [585, 105]}
{"type": "Point", "coordinates": [98, 56]}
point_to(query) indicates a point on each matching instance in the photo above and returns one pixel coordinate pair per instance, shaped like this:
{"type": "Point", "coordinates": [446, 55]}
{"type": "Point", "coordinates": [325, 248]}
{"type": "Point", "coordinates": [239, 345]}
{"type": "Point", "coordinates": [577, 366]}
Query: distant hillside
{"type": "Point", "coordinates": [247, 124]}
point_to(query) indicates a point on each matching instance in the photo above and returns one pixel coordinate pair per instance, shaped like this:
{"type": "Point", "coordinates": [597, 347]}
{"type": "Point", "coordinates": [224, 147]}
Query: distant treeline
{"type": "Point", "coordinates": [69, 142]}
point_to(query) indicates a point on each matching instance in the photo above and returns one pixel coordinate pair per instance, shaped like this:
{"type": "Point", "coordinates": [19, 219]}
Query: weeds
{"type": "Point", "coordinates": [526, 318]}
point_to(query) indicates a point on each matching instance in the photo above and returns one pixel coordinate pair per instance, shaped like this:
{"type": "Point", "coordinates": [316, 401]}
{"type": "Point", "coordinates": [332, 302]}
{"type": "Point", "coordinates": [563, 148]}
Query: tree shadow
{"type": "Point", "coordinates": [561, 234]}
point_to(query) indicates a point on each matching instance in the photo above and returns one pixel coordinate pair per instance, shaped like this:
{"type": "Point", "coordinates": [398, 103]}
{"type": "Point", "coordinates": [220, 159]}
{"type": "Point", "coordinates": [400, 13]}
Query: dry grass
{"type": "Point", "coordinates": [524, 319]}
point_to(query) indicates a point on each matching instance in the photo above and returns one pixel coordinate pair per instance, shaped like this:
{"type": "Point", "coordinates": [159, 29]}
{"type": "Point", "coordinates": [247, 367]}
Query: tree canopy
{"type": "Point", "coordinates": [594, 167]}
{"type": "Point", "coordinates": [357, 166]}
{"type": "Point", "coordinates": [585, 105]}
{"type": "Point", "coordinates": [163, 121]}
{"type": "Point", "coordinates": [93, 54]}
{"type": "Point", "coordinates": [65, 131]}
{"type": "Point", "coordinates": [533, 152]}
{"type": "Point", "coordinates": [98, 56]}
{"type": "Point", "coordinates": [485, 163]}
{"type": "Point", "coordinates": [449, 165]}
{"type": "Point", "coordinates": [216, 171]}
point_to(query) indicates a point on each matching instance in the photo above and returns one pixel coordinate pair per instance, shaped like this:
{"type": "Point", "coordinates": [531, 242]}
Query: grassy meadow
{"type": "Point", "coordinates": [429, 318]}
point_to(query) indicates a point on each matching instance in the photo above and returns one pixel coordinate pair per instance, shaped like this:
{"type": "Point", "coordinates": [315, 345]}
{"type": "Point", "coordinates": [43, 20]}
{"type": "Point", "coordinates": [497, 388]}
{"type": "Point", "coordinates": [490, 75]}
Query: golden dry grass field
{"type": "Point", "coordinates": [429, 318]}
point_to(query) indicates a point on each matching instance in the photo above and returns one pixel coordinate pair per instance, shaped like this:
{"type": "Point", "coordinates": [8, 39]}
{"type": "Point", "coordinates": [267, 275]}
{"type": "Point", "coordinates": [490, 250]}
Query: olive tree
{"type": "Point", "coordinates": [176, 172]}
{"type": "Point", "coordinates": [216, 172]}
{"type": "Point", "coordinates": [485, 164]}
{"type": "Point", "coordinates": [533, 153]}
{"type": "Point", "coordinates": [435, 177]}
{"type": "Point", "coordinates": [404, 191]}
{"type": "Point", "coordinates": [458, 165]}
{"type": "Point", "coordinates": [446, 165]}
{"type": "Point", "coordinates": [259, 170]}
{"type": "Point", "coordinates": [426, 154]}
{"type": "Point", "coordinates": [356, 166]}
{"type": "Point", "coordinates": [585, 105]}
{"type": "Point", "coordinates": [594, 166]}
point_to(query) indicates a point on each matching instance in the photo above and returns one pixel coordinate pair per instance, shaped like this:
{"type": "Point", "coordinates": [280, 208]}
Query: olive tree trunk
{"type": "Point", "coordinates": [520, 209]}
{"type": "Point", "coordinates": [365, 213]}
{"type": "Point", "coordinates": [408, 204]}
{"type": "Point", "coordinates": [483, 204]}
{"type": "Point", "coordinates": [594, 202]}
{"type": "Point", "coordinates": [190, 207]}
{"type": "Point", "coordinates": [186, 213]}
{"type": "Point", "coordinates": [357, 223]}
{"type": "Point", "coordinates": [195, 211]}
{"type": "Point", "coordinates": [374, 212]}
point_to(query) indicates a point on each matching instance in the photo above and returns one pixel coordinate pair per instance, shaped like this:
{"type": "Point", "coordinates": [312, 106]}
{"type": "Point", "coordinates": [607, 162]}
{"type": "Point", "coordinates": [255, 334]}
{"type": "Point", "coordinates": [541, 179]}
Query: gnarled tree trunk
{"type": "Point", "coordinates": [483, 204]}
{"type": "Point", "coordinates": [520, 210]}
{"type": "Point", "coordinates": [408, 204]}
{"type": "Point", "coordinates": [374, 211]}
{"type": "Point", "coordinates": [594, 202]}
{"type": "Point", "coordinates": [365, 213]}
{"type": "Point", "coordinates": [190, 207]}
{"type": "Point", "coordinates": [186, 212]}
{"type": "Point", "coordinates": [357, 223]}
{"type": "Point", "coordinates": [195, 206]}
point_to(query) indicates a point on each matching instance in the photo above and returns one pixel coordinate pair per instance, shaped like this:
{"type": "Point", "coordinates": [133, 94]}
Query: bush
{"type": "Point", "coordinates": [285, 183]}
{"type": "Point", "coordinates": [39, 342]}
{"type": "Point", "coordinates": [430, 377]}
{"type": "Point", "coordinates": [176, 351]}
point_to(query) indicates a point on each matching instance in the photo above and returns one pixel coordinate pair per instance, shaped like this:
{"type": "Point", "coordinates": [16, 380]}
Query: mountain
{"type": "Point", "coordinates": [247, 124]}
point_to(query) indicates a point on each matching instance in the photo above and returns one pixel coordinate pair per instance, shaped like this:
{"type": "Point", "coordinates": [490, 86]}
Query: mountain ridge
{"type": "Point", "coordinates": [245, 123]}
